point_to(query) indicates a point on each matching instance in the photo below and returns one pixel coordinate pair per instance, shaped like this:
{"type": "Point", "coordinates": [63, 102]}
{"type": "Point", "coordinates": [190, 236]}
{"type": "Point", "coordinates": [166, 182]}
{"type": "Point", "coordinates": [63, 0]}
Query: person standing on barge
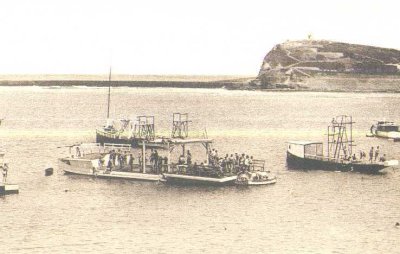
{"type": "Point", "coordinates": [376, 153]}
{"type": "Point", "coordinates": [247, 163]}
{"type": "Point", "coordinates": [251, 163]}
{"type": "Point", "coordinates": [371, 154]}
{"type": "Point", "coordinates": [188, 157]}
{"type": "Point", "coordinates": [155, 159]}
{"type": "Point", "coordinates": [5, 172]}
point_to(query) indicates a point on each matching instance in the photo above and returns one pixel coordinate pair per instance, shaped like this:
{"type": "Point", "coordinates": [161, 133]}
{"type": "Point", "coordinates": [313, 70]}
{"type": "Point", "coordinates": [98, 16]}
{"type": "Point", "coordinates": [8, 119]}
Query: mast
{"type": "Point", "coordinates": [109, 94]}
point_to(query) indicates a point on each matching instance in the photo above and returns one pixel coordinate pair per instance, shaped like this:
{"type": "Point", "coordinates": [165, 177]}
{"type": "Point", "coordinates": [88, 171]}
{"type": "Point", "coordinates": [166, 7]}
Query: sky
{"type": "Point", "coordinates": [178, 37]}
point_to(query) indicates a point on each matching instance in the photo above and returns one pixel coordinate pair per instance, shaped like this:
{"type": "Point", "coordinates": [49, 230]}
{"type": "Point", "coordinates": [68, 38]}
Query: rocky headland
{"type": "Point", "coordinates": [320, 65]}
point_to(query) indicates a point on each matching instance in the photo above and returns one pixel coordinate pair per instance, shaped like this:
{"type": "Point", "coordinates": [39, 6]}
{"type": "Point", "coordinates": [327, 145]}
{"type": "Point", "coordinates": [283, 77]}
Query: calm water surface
{"type": "Point", "coordinates": [305, 212]}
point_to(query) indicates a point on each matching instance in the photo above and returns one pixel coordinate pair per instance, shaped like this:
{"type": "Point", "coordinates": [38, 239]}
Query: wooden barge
{"type": "Point", "coordinates": [93, 160]}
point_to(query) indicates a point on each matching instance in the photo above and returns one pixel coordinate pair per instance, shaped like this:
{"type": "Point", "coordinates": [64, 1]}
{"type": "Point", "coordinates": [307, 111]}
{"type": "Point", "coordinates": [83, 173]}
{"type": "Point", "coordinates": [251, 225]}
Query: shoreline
{"type": "Point", "coordinates": [222, 84]}
{"type": "Point", "coordinates": [99, 83]}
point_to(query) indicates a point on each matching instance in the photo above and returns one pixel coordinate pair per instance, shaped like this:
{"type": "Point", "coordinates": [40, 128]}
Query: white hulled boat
{"type": "Point", "coordinates": [107, 161]}
{"type": "Point", "coordinates": [386, 129]}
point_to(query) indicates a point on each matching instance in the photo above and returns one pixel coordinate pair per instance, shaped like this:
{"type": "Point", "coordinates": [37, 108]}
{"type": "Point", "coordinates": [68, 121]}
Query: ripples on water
{"type": "Point", "coordinates": [305, 212]}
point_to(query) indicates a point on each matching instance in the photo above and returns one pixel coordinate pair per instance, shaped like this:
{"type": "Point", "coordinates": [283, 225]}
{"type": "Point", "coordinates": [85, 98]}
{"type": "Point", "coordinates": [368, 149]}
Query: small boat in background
{"type": "Point", "coordinates": [141, 130]}
{"type": "Point", "coordinates": [137, 131]}
{"type": "Point", "coordinates": [126, 131]}
{"type": "Point", "coordinates": [385, 129]}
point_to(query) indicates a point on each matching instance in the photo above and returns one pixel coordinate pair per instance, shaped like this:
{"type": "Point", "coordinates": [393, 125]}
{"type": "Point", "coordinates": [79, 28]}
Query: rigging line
{"type": "Point", "coordinates": [109, 94]}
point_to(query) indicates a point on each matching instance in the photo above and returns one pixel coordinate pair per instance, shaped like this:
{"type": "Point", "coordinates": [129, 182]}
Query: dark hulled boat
{"type": "Point", "coordinates": [127, 131]}
{"type": "Point", "coordinates": [297, 158]}
{"type": "Point", "coordinates": [339, 156]}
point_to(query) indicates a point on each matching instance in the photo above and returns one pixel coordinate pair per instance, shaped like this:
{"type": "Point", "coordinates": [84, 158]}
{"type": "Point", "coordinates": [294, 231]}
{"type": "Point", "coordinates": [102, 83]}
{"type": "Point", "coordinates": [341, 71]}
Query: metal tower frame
{"type": "Point", "coordinates": [180, 125]}
{"type": "Point", "coordinates": [340, 138]}
{"type": "Point", "coordinates": [144, 128]}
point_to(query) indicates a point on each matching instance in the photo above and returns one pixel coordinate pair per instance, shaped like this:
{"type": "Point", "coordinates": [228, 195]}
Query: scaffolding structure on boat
{"type": "Point", "coordinates": [340, 138]}
{"type": "Point", "coordinates": [180, 125]}
{"type": "Point", "coordinates": [144, 128]}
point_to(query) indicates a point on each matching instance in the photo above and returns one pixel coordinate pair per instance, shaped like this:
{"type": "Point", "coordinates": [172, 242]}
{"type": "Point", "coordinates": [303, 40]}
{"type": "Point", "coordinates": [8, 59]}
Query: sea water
{"type": "Point", "coordinates": [304, 212]}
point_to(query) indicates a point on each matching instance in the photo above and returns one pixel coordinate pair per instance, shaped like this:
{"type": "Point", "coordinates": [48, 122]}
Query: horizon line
{"type": "Point", "coordinates": [121, 77]}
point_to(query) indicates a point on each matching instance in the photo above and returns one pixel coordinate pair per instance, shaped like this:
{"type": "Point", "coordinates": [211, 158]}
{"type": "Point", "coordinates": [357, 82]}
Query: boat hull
{"type": "Point", "coordinates": [85, 168]}
{"type": "Point", "coordinates": [256, 183]}
{"type": "Point", "coordinates": [105, 137]}
{"type": "Point", "coordinates": [395, 135]}
{"type": "Point", "coordinates": [198, 180]}
{"type": "Point", "coordinates": [295, 162]}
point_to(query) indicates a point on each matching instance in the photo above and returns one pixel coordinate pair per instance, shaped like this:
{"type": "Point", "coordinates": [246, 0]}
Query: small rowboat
{"type": "Point", "coordinates": [6, 188]}
{"type": "Point", "coordinates": [254, 178]}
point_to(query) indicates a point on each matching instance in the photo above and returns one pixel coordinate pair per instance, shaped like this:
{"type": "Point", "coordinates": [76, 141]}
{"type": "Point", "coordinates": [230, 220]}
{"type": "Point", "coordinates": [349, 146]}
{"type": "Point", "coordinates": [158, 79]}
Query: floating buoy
{"type": "Point", "coordinates": [48, 171]}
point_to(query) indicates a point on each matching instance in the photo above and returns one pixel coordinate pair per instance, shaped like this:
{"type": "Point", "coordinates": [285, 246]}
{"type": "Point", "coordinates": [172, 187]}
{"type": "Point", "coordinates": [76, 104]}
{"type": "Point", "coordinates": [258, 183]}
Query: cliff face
{"type": "Point", "coordinates": [309, 64]}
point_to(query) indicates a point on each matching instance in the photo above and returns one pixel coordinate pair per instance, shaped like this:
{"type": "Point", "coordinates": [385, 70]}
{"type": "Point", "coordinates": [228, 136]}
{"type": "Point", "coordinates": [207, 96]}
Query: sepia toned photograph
{"type": "Point", "coordinates": [220, 126]}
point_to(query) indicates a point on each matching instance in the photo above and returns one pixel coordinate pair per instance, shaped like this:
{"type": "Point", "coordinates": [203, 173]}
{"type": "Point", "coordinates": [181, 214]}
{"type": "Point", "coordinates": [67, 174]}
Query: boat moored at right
{"type": "Point", "coordinates": [386, 129]}
{"type": "Point", "coordinates": [339, 155]}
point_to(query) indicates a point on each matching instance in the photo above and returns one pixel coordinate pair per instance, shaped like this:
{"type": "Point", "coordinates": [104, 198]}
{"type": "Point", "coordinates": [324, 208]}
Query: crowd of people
{"type": "Point", "coordinates": [185, 159]}
{"type": "Point", "coordinates": [119, 160]}
{"type": "Point", "coordinates": [233, 163]}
